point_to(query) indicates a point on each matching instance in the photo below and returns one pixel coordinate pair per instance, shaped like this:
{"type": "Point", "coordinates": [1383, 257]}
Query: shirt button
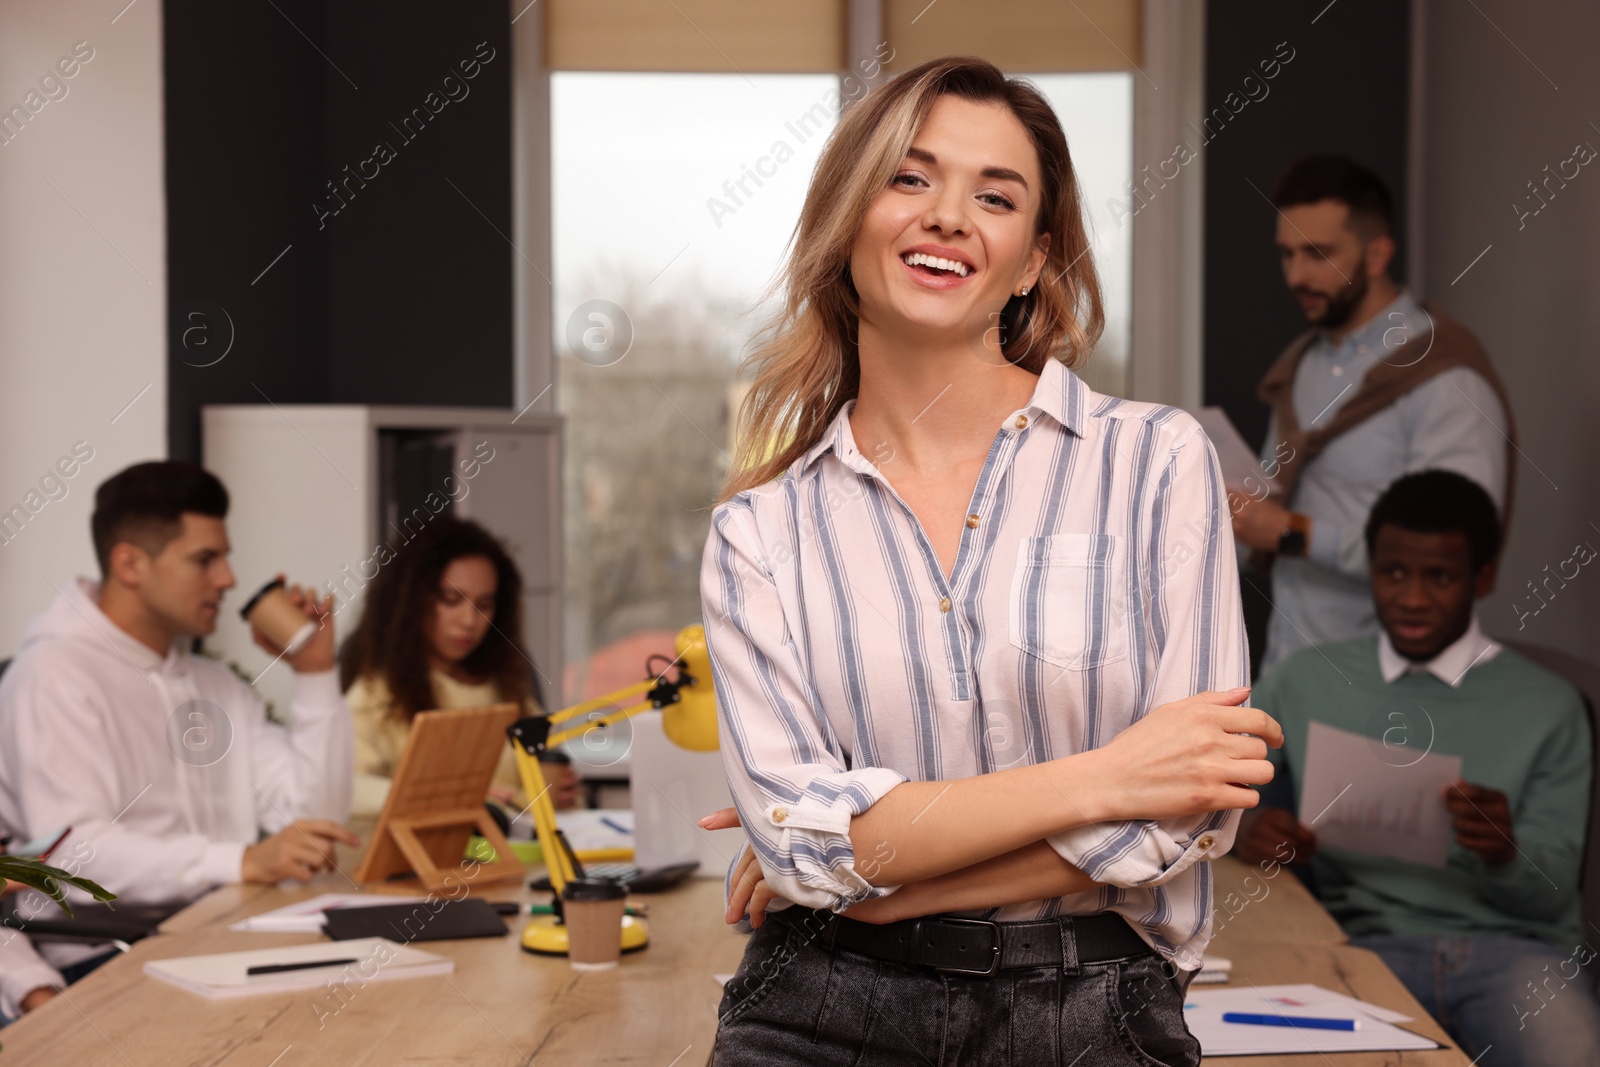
{"type": "Point", "coordinates": [972, 521]}
{"type": "Point", "coordinates": [779, 814]}
{"type": "Point", "coordinates": [1022, 420]}
{"type": "Point", "coordinates": [944, 603]}
{"type": "Point", "coordinates": [1206, 842]}
{"type": "Point", "coordinates": [1338, 371]}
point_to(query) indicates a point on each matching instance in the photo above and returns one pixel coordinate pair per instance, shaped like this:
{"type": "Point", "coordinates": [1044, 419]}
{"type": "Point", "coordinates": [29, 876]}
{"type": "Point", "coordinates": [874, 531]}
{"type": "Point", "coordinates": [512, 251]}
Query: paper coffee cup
{"type": "Point", "coordinates": [592, 910]}
{"type": "Point", "coordinates": [273, 613]}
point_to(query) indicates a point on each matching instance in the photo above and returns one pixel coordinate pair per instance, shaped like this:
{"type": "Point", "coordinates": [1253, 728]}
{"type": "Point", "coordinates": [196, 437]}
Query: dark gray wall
{"type": "Point", "coordinates": [403, 294]}
{"type": "Point", "coordinates": [1343, 89]}
{"type": "Point", "coordinates": [1497, 113]}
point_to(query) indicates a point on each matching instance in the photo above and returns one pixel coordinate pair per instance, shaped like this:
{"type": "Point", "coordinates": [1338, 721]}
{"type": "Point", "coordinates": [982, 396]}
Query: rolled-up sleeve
{"type": "Point", "coordinates": [1190, 585]}
{"type": "Point", "coordinates": [785, 767]}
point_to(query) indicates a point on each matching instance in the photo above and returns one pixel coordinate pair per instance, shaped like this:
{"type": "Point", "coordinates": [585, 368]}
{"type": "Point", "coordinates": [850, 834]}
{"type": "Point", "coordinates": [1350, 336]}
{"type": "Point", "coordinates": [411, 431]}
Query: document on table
{"type": "Point", "coordinates": [1375, 1030]}
{"type": "Point", "coordinates": [1241, 469]}
{"type": "Point", "coordinates": [586, 829]}
{"type": "Point", "coordinates": [290, 967]}
{"type": "Point", "coordinates": [1366, 795]}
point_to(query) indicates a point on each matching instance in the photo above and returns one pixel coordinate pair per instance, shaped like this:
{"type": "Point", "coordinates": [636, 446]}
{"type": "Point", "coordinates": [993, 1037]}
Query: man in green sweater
{"type": "Point", "coordinates": [1492, 943]}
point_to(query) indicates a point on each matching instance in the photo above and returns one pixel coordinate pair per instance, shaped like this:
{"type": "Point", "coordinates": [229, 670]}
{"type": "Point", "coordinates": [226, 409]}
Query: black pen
{"type": "Point", "coordinates": [275, 968]}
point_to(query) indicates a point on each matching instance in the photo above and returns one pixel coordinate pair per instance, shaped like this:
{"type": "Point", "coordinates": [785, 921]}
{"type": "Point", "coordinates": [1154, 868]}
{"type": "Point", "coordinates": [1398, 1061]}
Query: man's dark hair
{"type": "Point", "coordinates": [145, 503]}
{"type": "Point", "coordinates": [1438, 501]}
{"type": "Point", "coordinates": [1313, 178]}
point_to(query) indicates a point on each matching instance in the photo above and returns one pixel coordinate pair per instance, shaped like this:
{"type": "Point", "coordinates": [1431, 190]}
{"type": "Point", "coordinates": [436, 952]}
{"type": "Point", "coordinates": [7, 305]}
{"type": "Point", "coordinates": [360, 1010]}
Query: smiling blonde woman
{"type": "Point", "coordinates": [970, 625]}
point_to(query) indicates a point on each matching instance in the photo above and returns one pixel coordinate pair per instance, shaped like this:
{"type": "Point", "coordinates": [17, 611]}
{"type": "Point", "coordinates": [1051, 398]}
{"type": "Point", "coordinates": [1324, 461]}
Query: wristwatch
{"type": "Point", "coordinates": [1292, 542]}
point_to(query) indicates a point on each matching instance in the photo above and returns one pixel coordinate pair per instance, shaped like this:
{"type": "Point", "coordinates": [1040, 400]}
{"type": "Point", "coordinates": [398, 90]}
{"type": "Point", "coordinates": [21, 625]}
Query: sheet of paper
{"type": "Point", "coordinates": [1203, 1010]}
{"type": "Point", "coordinates": [586, 829]}
{"type": "Point", "coordinates": [1300, 996]}
{"type": "Point", "coordinates": [225, 974]}
{"type": "Point", "coordinates": [1365, 795]}
{"type": "Point", "coordinates": [305, 916]}
{"type": "Point", "coordinates": [1240, 467]}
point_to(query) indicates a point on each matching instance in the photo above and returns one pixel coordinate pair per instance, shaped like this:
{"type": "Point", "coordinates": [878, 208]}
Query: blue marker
{"type": "Point", "coordinates": [1299, 1022]}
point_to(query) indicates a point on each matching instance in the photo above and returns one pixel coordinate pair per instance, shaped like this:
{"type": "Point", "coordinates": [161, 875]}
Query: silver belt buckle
{"type": "Point", "coordinates": [994, 952]}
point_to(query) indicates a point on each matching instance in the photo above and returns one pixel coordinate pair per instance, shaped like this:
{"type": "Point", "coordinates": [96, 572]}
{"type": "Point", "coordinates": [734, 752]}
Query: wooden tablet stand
{"type": "Point", "coordinates": [436, 804]}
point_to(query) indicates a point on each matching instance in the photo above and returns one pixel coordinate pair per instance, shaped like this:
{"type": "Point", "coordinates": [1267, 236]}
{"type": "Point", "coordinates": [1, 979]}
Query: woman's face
{"type": "Point", "coordinates": [463, 608]}
{"type": "Point", "coordinates": [968, 190]}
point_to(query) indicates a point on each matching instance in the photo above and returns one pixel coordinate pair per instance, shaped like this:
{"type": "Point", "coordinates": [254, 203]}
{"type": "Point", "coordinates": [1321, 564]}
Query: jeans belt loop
{"type": "Point", "coordinates": [830, 931]}
{"type": "Point", "coordinates": [1069, 947]}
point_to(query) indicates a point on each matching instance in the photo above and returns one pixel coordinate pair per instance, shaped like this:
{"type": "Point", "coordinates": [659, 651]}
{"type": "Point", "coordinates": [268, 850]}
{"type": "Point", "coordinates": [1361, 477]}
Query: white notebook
{"type": "Point", "coordinates": [370, 959]}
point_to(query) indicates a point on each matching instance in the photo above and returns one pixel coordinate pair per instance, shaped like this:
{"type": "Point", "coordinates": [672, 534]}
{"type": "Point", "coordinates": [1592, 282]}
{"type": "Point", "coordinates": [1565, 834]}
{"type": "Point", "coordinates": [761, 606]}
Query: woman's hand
{"type": "Point", "coordinates": [749, 888]}
{"type": "Point", "coordinates": [566, 791]}
{"type": "Point", "coordinates": [749, 891]}
{"type": "Point", "coordinates": [1186, 758]}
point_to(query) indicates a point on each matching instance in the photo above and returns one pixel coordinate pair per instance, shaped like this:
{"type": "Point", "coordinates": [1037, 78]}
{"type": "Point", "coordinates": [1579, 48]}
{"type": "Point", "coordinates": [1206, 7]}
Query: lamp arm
{"type": "Point", "coordinates": [534, 735]}
{"type": "Point", "coordinates": [561, 737]}
{"type": "Point", "coordinates": [556, 860]}
{"type": "Point", "coordinates": [603, 701]}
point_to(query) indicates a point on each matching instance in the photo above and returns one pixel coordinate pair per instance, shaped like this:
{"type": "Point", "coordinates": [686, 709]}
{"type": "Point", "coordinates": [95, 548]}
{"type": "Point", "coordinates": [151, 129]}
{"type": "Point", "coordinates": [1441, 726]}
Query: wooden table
{"type": "Point", "coordinates": [1275, 932]}
{"type": "Point", "coordinates": [505, 1006]}
{"type": "Point", "coordinates": [1253, 907]}
{"type": "Point", "coordinates": [501, 1006]}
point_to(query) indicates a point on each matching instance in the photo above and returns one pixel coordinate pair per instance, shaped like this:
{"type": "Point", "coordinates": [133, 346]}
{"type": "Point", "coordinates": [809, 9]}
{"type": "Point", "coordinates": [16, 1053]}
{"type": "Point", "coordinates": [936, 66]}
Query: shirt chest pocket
{"type": "Point", "coordinates": [1068, 601]}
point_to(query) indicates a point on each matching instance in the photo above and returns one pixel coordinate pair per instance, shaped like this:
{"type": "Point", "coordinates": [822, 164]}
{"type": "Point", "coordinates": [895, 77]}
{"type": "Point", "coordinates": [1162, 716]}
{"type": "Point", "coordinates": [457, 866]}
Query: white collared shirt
{"type": "Point", "coordinates": [1450, 666]}
{"type": "Point", "coordinates": [1094, 580]}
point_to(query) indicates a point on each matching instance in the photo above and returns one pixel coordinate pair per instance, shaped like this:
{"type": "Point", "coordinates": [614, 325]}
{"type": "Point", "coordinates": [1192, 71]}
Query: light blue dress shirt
{"type": "Point", "coordinates": [1453, 421]}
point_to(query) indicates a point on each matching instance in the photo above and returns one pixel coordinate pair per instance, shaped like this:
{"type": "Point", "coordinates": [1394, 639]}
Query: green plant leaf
{"type": "Point", "coordinates": [48, 880]}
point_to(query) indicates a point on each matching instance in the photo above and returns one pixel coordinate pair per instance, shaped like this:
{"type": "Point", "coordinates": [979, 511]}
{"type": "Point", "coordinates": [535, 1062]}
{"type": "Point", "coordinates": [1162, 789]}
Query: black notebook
{"type": "Point", "coordinates": [434, 920]}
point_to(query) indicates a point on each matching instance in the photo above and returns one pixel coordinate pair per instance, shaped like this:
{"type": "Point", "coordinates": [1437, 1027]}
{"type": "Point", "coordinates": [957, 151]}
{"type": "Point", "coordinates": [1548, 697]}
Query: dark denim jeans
{"type": "Point", "coordinates": [795, 1000]}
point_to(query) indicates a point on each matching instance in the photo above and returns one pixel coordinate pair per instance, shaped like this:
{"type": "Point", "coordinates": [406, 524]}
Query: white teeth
{"type": "Point", "coordinates": [913, 259]}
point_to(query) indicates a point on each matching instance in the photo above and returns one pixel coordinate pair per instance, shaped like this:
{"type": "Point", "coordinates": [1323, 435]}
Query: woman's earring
{"type": "Point", "coordinates": [1024, 291]}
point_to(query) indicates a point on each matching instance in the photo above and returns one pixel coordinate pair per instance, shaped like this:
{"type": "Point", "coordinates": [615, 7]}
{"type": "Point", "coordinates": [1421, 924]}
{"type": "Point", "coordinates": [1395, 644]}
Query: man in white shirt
{"type": "Point", "coordinates": [26, 981]}
{"type": "Point", "coordinates": [164, 763]}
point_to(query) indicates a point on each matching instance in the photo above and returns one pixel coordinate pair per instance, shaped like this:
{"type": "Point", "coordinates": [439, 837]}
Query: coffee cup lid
{"type": "Point", "coordinates": [586, 889]}
{"type": "Point", "coordinates": [250, 605]}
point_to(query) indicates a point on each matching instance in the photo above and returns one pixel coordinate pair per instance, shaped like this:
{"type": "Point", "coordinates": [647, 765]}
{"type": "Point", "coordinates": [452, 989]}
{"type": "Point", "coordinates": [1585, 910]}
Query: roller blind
{"type": "Point", "coordinates": [757, 36]}
{"type": "Point", "coordinates": [723, 36]}
{"type": "Point", "coordinates": [1016, 35]}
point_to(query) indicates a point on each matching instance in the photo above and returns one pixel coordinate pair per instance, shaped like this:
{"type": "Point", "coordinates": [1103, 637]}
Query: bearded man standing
{"type": "Point", "coordinates": [1382, 385]}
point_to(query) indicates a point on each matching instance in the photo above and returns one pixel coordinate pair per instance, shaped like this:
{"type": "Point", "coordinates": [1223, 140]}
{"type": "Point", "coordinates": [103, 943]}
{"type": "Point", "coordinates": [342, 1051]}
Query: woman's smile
{"type": "Point", "coordinates": [937, 267]}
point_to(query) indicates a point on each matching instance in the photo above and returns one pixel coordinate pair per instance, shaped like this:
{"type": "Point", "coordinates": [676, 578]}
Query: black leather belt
{"type": "Point", "coordinates": [976, 947]}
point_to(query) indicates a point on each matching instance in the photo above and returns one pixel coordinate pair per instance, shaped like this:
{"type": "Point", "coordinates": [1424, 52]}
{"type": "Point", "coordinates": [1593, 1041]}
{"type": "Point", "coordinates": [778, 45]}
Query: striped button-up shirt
{"type": "Point", "coordinates": [1095, 579]}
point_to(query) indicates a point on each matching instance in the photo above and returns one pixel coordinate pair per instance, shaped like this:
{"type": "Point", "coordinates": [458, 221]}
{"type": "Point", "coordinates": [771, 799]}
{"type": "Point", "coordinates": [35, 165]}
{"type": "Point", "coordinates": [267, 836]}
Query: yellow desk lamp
{"type": "Point", "coordinates": [689, 719]}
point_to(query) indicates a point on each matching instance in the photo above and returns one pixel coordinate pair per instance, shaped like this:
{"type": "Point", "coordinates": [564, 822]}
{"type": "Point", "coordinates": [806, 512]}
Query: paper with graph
{"type": "Point", "coordinates": [1363, 795]}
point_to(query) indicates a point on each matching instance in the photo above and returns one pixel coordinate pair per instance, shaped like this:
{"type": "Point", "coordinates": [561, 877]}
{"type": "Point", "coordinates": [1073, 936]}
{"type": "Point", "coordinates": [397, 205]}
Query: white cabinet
{"type": "Point", "coordinates": [316, 488]}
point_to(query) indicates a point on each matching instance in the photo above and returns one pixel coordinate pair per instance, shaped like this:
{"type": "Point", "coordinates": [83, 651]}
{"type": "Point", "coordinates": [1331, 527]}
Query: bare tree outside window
{"type": "Point", "coordinates": [673, 198]}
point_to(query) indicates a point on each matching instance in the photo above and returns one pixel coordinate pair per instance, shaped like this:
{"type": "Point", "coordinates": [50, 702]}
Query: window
{"type": "Point", "coordinates": [1096, 111]}
{"type": "Point", "coordinates": [673, 197]}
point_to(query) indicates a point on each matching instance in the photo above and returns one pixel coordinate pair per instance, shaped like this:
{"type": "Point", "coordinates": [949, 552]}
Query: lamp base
{"type": "Point", "coordinates": [547, 936]}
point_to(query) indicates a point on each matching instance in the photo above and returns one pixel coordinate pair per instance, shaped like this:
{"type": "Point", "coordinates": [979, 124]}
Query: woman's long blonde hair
{"type": "Point", "coordinates": [808, 364]}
